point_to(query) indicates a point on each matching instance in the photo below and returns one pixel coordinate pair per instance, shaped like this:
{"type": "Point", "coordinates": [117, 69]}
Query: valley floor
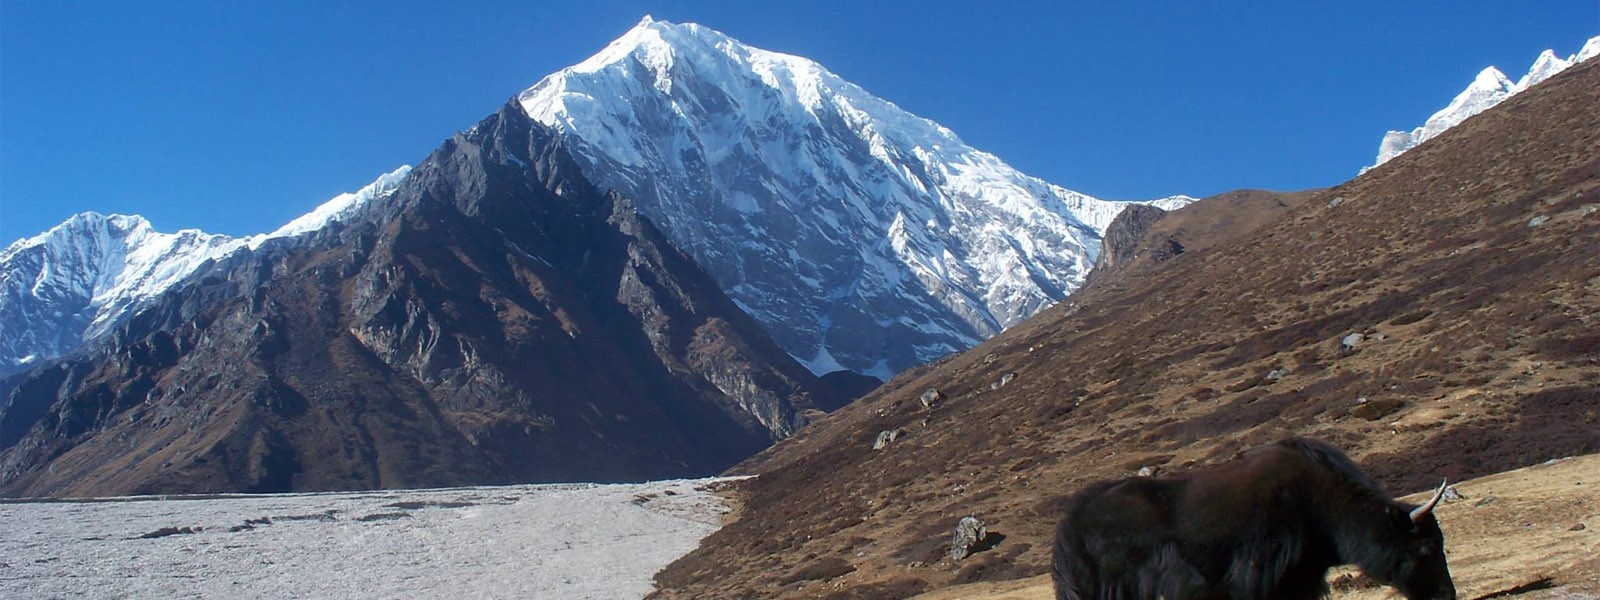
{"type": "Point", "coordinates": [542, 541]}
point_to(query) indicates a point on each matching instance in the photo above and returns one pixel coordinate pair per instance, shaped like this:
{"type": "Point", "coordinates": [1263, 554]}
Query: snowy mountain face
{"type": "Point", "coordinates": [1488, 89]}
{"type": "Point", "coordinates": [862, 236]}
{"type": "Point", "coordinates": [77, 281]}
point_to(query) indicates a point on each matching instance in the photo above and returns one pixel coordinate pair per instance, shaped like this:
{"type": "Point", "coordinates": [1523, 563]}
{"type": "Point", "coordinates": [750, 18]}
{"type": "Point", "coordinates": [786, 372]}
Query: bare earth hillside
{"type": "Point", "coordinates": [1436, 317]}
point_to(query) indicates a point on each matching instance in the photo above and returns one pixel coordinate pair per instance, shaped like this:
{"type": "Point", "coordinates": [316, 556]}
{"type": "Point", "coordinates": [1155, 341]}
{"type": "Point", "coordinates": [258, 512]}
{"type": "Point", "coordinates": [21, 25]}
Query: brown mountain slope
{"type": "Point", "coordinates": [496, 320]}
{"type": "Point", "coordinates": [1469, 267]}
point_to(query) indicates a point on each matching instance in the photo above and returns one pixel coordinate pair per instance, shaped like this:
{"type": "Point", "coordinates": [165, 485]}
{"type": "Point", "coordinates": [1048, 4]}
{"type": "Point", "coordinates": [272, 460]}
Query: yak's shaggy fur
{"type": "Point", "coordinates": [1267, 525]}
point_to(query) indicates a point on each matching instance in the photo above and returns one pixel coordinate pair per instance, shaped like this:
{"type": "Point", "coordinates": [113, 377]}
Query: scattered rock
{"type": "Point", "coordinates": [327, 515]}
{"type": "Point", "coordinates": [1004, 379]}
{"type": "Point", "coordinates": [1336, 201]}
{"type": "Point", "coordinates": [383, 516]}
{"type": "Point", "coordinates": [1451, 494]}
{"type": "Point", "coordinates": [1487, 500]}
{"type": "Point", "coordinates": [1147, 471]}
{"type": "Point", "coordinates": [416, 504]}
{"type": "Point", "coordinates": [167, 531]}
{"type": "Point", "coordinates": [1578, 527]}
{"type": "Point", "coordinates": [884, 438]}
{"type": "Point", "coordinates": [1277, 374]}
{"type": "Point", "coordinates": [1537, 221]}
{"type": "Point", "coordinates": [250, 524]}
{"type": "Point", "coordinates": [970, 532]}
{"type": "Point", "coordinates": [1373, 410]}
{"type": "Point", "coordinates": [931, 397]}
{"type": "Point", "coordinates": [1350, 343]}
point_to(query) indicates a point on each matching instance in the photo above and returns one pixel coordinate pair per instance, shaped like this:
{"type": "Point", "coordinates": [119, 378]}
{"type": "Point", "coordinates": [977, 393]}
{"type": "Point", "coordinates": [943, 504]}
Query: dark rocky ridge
{"type": "Point", "coordinates": [1467, 264]}
{"type": "Point", "coordinates": [496, 320]}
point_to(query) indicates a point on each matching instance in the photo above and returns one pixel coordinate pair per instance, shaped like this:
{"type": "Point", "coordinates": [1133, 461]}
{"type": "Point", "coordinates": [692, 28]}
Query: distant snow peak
{"type": "Point", "coordinates": [79, 280]}
{"type": "Point", "coordinates": [862, 236]}
{"type": "Point", "coordinates": [1489, 88]}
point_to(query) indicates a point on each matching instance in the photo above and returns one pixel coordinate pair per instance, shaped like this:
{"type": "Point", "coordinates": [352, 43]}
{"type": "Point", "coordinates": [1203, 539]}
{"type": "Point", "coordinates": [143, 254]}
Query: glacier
{"type": "Point", "coordinates": [1489, 88]}
{"type": "Point", "coordinates": [79, 280]}
{"type": "Point", "coordinates": [862, 236]}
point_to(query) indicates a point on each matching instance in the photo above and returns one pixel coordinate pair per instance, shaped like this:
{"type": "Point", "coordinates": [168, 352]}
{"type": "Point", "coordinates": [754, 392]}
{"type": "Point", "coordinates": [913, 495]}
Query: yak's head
{"type": "Point", "coordinates": [1412, 555]}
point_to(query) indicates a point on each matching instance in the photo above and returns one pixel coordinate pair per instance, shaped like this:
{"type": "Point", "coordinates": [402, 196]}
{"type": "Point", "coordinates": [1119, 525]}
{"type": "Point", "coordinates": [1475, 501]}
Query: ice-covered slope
{"type": "Point", "coordinates": [77, 281]}
{"type": "Point", "coordinates": [862, 236]}
{"type": "Point", "coordinates": [1489, 88]}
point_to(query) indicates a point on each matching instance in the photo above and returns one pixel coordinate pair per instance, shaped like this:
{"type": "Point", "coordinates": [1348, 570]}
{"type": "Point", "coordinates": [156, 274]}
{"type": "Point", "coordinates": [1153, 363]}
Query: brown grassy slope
{"type": "Point", "coordinates": [1535, 529]}
{"type": "Point", "coordinates": [1482, 355]}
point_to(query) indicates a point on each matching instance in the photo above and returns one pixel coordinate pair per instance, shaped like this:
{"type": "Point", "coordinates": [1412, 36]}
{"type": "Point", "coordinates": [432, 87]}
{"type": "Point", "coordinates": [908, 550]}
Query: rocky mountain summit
{"type": "Point", "coordinates": [864, 237]}
{"type": "Point", "coordinates": [421, 341]}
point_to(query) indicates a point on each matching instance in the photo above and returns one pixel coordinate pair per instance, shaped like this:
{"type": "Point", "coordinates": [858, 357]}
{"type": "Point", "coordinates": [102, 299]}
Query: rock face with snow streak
{"type": "Point", "coordinates": [74, 283]}
{"type": "Point", "coordinates": [1489, 88]}
{"type": "Point", "coordinates": [862, 236]}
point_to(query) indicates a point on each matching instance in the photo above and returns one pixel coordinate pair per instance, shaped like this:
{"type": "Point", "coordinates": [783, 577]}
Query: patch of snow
{"type": "Point", "coordinates": [535, 541]}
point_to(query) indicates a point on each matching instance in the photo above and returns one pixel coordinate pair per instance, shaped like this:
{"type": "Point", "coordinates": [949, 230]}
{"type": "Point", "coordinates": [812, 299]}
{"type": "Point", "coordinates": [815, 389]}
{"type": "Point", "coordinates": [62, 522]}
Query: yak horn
{"type": "Point", "coordinates": [1427, 507]}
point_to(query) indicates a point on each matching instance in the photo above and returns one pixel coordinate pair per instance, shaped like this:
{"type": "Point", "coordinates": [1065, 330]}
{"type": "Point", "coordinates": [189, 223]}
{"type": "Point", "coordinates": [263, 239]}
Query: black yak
{"type": "Point", "coordinates": [1267, 525]}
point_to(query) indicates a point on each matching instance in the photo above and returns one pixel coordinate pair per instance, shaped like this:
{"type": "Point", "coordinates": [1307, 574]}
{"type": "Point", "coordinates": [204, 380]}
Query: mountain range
{"type": "Point", "coordinates": [651, 264]}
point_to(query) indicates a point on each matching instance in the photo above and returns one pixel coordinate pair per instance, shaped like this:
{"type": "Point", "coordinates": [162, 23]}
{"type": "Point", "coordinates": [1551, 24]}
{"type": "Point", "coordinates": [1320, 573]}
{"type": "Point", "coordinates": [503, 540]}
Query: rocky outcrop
{"type": "Point", "coordinates": [1121, 242]}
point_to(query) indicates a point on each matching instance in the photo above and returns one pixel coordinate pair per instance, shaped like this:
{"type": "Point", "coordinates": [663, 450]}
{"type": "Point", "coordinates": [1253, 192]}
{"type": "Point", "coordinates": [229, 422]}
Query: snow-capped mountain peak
{"type": "Point", "coordinates": [77, 281]}
{"type": "Point", "coordinates": [1488, 89]}
{"type": "Point", "coordinates": [863, 236]}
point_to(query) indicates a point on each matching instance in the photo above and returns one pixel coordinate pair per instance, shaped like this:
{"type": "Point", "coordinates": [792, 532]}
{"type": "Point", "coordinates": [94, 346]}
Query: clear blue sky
{"type": "Point", "coordinates": [235, 117]}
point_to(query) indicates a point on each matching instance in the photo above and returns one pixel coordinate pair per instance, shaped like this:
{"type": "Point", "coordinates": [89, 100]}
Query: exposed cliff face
{"type": "Point", "coordinates": [497, 320]}
{"type": "Point", "coordinates": [1121, 242]}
